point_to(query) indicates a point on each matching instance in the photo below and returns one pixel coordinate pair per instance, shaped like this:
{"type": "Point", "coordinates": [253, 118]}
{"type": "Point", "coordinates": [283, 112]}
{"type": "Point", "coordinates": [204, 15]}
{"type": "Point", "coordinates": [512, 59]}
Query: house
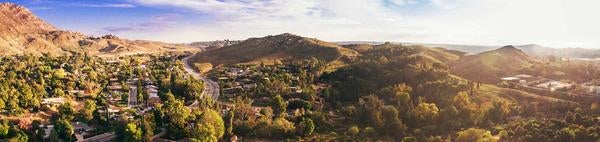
{"type": "Point", "coordinates": [296, 90]}
{"type": "Point", "coordinates": [554, 85]}
{"type": "Point", "coordinates": [114, 79]}
{"type": "Point", "coordinates": [249, 86]}
{"type": "Point", "coordinates": [153, 97]}
{"type": "Point", "coordinates": [112, 111]}
{"type": "Point", "coordinates": [115, 86]}
{"type": "Point", "coordinates": [53, 101]}
{"type": "Point", "coordinates": [594, 90]}
{"type": "Point", "coordinates": [513, 80]}
{"type": "Point", "coordinates": [80, 127]}
{"type": "Point", "coordinates": [523, 76]}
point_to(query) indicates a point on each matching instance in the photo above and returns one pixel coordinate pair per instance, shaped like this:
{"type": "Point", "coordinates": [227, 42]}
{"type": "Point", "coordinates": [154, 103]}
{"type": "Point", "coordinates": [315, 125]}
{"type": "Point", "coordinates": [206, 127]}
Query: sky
{"type": "Point", "coordinates": [554, 23]}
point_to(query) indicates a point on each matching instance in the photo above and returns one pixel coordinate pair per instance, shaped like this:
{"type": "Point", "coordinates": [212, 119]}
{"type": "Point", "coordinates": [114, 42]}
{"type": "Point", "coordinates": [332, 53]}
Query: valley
{"type": "Point", "coordinates": [59, 85]}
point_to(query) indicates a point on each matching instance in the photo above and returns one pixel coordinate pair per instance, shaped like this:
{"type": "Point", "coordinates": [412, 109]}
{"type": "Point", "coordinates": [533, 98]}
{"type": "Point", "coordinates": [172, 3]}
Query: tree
{"type": "Point", "coordinates": [369, 111]}
{"type": "Point", "coordinates": [205, 133]}
{"type": "Point", "coordinates": [176, 115]}
{"type": "Point", "coordinates": [4, 128]}
{"type": "Point", "coordinates": [65, 111]}
{"type": "Point", "coordinates": [426, 112]}
{"type": "Point", "coordinates": [64, 130]}
{"type": "Point", "coordinates": [282, 127]}
{"type": "Point", "coordinates": [279, 105]}
{"type": "Point", "coordinates": [211, 128]}
{"type": "Point", "coordinates": [132, 133]}
{"type": "Point", "coordinates": [394, 125]}
{"type": "Point", "coordinates": [59, 73]}
{"type": "Point", "coordinates": [306, 127]}
{"type": "Point", "coordinates": [58, 92]}
{"type": "Point", "coordinates": [353, 131]}
{"type": "Point", "coordinates": [148, 126]}
{"type": "Point", "coordinates": [474, 135]}
{"type": "Point", "coordinates": [88, 110]}
{"type": "Point", "coordinates": [18, 135]}
{"type": "Point", "coordinates": [229, 118]}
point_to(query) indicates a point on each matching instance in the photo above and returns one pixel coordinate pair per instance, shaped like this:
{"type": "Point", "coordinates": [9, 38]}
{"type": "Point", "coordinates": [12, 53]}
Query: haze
{"type": "Point", "coordinates": [554, 23]}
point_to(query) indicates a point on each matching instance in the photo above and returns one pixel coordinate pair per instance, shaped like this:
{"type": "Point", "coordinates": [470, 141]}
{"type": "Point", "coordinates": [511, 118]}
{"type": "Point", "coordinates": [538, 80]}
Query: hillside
{"type": "Point", "coordinates": [275, 48]}
{"type": "Point", "coordinates": [390, 50]}
{"type": "Point", "coordinates": [22, 32]}
{"type": "Point", "coordinates": [208, 45]}
{"type": "Point", "coordinates": [490, 66]}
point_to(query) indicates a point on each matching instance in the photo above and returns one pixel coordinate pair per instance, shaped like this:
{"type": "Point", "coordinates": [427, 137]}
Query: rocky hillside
{"type": "Point", "coordinates": [490, 66]}
{"type": "Point", "coordinates": [273, 49]}
{"type": "Point", "coordinates": [21, 32]}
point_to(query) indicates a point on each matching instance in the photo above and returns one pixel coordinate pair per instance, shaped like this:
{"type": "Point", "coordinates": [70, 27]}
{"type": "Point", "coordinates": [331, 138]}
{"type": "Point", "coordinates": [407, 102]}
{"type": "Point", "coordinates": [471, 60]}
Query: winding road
{"type": "Point", "coordinates": [211, 88]}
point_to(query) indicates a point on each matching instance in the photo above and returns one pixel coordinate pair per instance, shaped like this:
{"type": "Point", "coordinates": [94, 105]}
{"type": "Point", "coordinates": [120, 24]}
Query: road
{"type": "Point", "coordinates": [132, 99]}
{"type": "Point", "coordinates": [211, 88]}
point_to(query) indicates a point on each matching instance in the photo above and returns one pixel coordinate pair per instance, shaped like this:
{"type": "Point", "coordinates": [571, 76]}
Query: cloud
{"type": "Point", "coordinates": [558, 23]}
{"type": "Point", "coordinates": [155, 24]}
{"type": "Point", "coordinates": [53, 4]}
{"type": "Point", "coordinates": [107, 5]}
{"type": "Point", "coordinates": [403, 2]}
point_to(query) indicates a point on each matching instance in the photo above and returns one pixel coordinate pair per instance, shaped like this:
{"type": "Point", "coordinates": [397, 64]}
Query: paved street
{"type": "Point", "coordinates": [211, 88]}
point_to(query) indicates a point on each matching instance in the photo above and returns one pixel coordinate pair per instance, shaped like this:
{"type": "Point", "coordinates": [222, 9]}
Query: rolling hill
{"type": "Point", "coordinates": [391, 50]}
{"type": "Point", "coordinates": [490, 66]}
{"type": "Point", "coordinates": [22, 32]}
{"type": "Point", "coordinates": [275, 48]}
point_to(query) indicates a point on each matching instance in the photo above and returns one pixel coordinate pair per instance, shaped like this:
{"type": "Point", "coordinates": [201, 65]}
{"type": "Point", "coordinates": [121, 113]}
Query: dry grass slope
{"type": "Point", "coordinates": [272, 49]}
{"type": "Point", "coordinates": [490, 66]}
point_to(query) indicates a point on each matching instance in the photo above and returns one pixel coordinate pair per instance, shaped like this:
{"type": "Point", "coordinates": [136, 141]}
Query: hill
{"type": "Point", "coordinates": [490, 66]}
{"type": "Point", "coordinates": [208, 45]}
{"type": "Point", "coordinates": [22, 32]}
{"type": "Point", "coordinates": [391, 50]}
{"type": "Point", "coordinates": [271, 49]}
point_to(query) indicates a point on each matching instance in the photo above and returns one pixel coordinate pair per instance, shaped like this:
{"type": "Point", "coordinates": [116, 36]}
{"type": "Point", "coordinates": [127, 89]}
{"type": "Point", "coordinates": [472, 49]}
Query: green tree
{"type": "Point", "coordinates": [65, 111]}
{"type": "Point", "coordinates": [212, 127]}
{"type": "Point", "coordinates": [282, 127]}
{"type": "Point", "coordinates": [205, 133]}
{"type": "Point", "coordinates": [426, 112]}
{"type": "Point", "coordinates": [4, 128]}
{"type": "Point", "coordinates": [279, 105]}
{"type": "Point", "coordinates": [58, 92]}
{"type": "Point", "coordinates": [132, 133]}
{"type": "Point", "coordinates": [18, 135]}
{"type": "Point", "coordinates": [59, 73]}
{"type": "Point", "coordinates": [353, 131]}
{"type": "Point", "coordinates": [474, 135]}
{"type": "Point", "coordinates": [176, 116]}
{"type": "Point", "coordinates": [306, 127]}
{"type": "Point", "coordinates": [229, 118]}
{"type": "Point", "coordinates": [64, 130]}
{"type": "Point", "coordinates": [88, 110]}
{"type": "Point", "coordinates": [148, 126]}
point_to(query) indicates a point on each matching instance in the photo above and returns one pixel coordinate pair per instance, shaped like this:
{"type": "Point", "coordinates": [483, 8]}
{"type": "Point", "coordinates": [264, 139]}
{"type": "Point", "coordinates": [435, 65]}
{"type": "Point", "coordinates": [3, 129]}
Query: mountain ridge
{"type": "Point", "coordinates": [22, 32]}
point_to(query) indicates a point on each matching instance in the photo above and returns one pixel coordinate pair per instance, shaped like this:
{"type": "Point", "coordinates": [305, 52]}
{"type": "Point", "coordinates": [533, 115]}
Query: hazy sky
{"type": "Point", "coordinates": [556, 23]}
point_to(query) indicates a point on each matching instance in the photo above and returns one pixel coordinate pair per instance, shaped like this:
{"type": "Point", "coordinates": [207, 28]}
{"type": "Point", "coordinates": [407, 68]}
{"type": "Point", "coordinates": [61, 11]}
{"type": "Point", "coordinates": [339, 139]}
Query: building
{"type": "Point", "coordinates": [594, 90]}
{"type": "Point", "coordinates": [249, 86]}
{"type": "Point", "coordinates": [80, 127]}
{"type": "Point", "coordinates": [153, 97]}
{"type": "Point", "coordinates": [554, 85]}
{"type": "Point", "coordinates": [50, 102]}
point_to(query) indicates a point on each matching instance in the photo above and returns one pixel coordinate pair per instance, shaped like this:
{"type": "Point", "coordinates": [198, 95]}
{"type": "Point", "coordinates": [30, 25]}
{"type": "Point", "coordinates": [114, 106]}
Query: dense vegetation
{"type": "Point", "coordinates": [390, 93]}
{"type": "Point", "coordinates": [27, 80]}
